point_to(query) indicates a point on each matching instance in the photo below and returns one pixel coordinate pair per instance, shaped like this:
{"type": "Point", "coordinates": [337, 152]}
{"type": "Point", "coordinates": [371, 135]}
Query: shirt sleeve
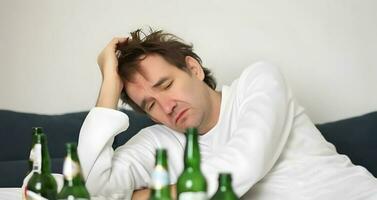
{"type": "Point", "coordinates": [108, 174]}
{"type": "Point", "coordinates": [264, 109]}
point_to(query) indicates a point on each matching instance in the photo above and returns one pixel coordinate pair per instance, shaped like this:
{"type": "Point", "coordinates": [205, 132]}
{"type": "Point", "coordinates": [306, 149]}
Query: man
{"type": "Point", "coordinates": [252, 128]}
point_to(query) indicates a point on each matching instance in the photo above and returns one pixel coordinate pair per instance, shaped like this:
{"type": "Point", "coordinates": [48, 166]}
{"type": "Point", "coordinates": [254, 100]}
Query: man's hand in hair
{"type": "Point", "coordinates": [112, 84]}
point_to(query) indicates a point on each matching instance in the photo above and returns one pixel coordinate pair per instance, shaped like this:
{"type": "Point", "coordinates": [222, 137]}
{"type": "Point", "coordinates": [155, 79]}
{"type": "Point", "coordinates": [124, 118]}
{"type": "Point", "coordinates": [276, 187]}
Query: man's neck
{"type": "Point", "coordinates": [215, 98]}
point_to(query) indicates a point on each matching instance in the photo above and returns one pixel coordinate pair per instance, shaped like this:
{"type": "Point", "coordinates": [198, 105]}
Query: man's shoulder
{"type": "Point", "coordinates": [258, 68]}
{"type": "Point", "coordinates": [259, 71]}
{"type": "Point", "coordinates": [256, 77]}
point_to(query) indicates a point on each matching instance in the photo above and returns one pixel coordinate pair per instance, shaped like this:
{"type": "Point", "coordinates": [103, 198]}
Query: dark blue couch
{"type": "Point", "coordinates": [355, 137]}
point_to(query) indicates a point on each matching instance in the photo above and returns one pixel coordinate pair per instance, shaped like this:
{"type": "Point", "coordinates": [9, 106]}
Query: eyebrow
{"type": "Point", "coordinates": [156, 85]}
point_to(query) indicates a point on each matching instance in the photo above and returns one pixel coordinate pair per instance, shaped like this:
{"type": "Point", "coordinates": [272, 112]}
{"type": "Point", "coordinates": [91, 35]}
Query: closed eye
{"type": "Point", "coordinates": [168, 85]}
{"type": "Point", "coordinates": [151, 105]}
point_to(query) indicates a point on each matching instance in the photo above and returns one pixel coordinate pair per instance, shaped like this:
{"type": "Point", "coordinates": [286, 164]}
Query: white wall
{"type": "Point", "coordinates": [326, 48]}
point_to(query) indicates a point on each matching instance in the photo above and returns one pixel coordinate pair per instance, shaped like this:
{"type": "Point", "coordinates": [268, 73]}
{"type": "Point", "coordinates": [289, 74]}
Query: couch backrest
{"type": "Point", "coordinates": [355, 137]}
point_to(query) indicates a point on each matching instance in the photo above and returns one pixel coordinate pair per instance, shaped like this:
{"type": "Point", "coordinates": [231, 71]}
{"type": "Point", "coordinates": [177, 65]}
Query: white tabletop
{"type": "Point", "coordinates": [15, 194]}
{"type": "Point", "coordinates": [10, 193]}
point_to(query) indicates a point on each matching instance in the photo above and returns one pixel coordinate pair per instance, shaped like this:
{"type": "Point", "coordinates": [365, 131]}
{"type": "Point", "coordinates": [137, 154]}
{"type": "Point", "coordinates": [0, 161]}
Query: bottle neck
{"type": "Point", "coordinates": [225, 182]}
{"type": "Point", "coordinates": [192, 153]}
{"type": "Point", "coordinates": [41, 162]}
{"type": "Point", "coordinates": [161, 158]}
{"type": "Point", "coordinates": [160, 176]}
{"type": "Point", "coordinates": [71, 168]}
{"type": "Point", "coordinates": [35, 131]}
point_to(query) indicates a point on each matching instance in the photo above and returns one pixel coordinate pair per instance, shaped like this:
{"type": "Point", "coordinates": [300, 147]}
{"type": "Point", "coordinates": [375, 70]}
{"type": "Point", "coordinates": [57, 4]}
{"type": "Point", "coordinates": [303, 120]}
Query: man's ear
{"type": "Point", "coordinates": [195, 67]}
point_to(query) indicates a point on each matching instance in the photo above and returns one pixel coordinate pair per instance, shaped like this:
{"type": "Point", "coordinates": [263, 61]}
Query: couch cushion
{"type": "Point", "coordinates": [355, 137]}
{"type": "Point", "coordinates": [12, 173]}
{"type": "Point", "coordinates": [15, 131]}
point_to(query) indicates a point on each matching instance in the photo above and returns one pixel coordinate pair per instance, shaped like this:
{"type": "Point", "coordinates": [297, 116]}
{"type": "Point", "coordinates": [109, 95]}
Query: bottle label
{"type": "Point", "coordinates": [160, 177]}
{"type": "Point", "coordinates": [30, 195]}
{"type": "Point", "coordinates": [193, 196]}
{"type": "Point", "coordinates": [31, 156]}
{"type": "Point", "coordinates": [37, 158]}
{"type": "Point", "coordinates": [70, 168]}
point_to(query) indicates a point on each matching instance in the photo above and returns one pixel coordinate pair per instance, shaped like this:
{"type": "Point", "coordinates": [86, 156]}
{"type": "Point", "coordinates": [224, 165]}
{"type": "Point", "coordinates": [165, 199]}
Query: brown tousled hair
{"type": "Point", "coordinates": [167, 45]}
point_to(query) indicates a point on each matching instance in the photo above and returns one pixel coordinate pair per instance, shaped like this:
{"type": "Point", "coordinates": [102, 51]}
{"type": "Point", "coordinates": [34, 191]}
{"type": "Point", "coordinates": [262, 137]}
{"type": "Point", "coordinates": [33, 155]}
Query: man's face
{"type": "Point", "coordinates": [171, 96]}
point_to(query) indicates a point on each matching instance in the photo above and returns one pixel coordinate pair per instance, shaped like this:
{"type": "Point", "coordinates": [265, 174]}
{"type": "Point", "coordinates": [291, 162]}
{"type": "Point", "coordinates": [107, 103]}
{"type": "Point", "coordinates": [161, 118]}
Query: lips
{"type": "Point", "coordinates": [180, 115]}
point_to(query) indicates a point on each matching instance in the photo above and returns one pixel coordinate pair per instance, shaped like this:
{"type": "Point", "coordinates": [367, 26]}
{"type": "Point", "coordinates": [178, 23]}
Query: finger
{"type": "Point", "coordinates": [123, 40]}
{"type": "Point", "coordinates": [122, 43]}
{"type": "Point", "coordinates": [117, 53]}
{"type": "Point", "coordinates": [113, 42]}
{"type": "Point", "coordinates": [117, 40]}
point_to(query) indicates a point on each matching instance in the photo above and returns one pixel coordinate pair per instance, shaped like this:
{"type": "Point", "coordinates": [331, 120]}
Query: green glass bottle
{"type": "Point", "coordinates": [160, 177]}
{"type": "Point", "coordinates": [225, 190]}
{"type": "Point", "coordinates": [41, 184]}
{"type": "Point", "coordinates": [34, 131]}
{"type": "Point", "coordinates": [191, 184]}
{"type": "Point", "coordinates": [74, 184]}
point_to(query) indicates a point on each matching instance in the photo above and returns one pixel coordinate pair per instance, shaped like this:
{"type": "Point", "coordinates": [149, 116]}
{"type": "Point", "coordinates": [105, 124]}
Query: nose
{"type": "Point", "coordinates": [167, 104]}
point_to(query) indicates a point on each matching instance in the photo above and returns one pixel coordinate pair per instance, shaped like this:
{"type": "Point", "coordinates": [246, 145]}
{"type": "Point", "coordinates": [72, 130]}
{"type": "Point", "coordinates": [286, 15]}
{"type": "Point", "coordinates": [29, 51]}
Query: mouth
{"type": "Point", "coordinates": [180, 115]}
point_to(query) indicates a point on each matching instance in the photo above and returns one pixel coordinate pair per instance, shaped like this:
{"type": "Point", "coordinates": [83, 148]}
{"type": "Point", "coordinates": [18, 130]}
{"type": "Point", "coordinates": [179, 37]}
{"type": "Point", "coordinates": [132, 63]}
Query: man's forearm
{"type": "Point", "coordinates": [109, 94]}
{"type": "Point", "coordinates": [144, 194]}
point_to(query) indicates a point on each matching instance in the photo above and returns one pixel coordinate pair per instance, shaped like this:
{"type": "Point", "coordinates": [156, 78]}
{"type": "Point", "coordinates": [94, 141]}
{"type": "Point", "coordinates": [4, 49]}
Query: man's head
{"type": "Point", "coordinates": [164, 78]}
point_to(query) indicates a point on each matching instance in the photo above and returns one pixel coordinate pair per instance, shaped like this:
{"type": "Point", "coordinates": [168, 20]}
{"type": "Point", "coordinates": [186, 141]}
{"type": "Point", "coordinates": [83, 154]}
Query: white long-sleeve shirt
{"type": "Point", "coordinates": [262, 137]}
